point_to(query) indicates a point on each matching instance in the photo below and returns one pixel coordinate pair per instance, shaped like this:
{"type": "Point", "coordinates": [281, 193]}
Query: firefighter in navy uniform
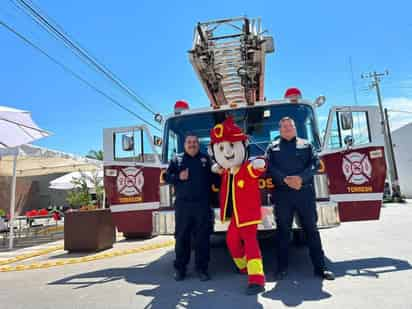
{"type": "Point", "coordinates": [190, 173]}
{"type": "Point", "coordinates": [292, 163]}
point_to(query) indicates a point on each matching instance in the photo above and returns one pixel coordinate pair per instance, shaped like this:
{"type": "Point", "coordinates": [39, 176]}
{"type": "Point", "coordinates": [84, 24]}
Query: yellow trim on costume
{"type": "Point", "coordinates": [241, 263]}
{"type": "Point", "coordinates": [227, 197]}
{"type": "Point", "coordinates": [249, 223]}
{"type": "Point", "coordinates": [250, 170]}
{"type": "Point", "coordinates": [218, 130]}
{"type": "Point", "coordinates": [255, 267]}
{"type": "Point", "coordinates": [234, 199]}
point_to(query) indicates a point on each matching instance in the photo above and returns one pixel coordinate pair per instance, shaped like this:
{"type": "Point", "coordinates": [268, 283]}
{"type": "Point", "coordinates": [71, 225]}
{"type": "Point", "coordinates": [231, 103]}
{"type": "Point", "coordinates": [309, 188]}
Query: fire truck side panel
{"type": "Point", "coordinates": [133, 194]}
{"type": "Point", "coordinates": [357, 178]}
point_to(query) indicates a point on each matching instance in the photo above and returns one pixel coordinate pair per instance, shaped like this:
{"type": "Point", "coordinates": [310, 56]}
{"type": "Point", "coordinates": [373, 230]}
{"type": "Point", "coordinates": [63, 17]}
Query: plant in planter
{"type": "Point", "coordinates": [80, 197]}
{"type": "Point", "coordinates": [88, 230]}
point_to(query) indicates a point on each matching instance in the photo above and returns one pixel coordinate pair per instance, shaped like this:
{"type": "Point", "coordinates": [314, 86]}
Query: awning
{"type": "Point", "coordinates": [35, 161]}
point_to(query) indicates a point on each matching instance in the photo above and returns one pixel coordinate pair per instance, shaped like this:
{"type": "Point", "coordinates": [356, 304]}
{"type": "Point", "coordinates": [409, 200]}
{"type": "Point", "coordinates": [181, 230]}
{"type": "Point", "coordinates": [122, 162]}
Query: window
{"type": "Point", "coordinates": [358, 130]}
{"type": "Point", "coordinates": [260, 123]}
{"type": "Point", "coordinates": [134, 145]}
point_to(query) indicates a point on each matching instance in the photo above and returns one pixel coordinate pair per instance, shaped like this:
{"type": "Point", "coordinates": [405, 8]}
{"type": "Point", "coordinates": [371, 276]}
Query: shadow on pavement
{"type": "Point", "coordinates": [155, 280]}
{"type": "Point", "coordinates": [301, 286]}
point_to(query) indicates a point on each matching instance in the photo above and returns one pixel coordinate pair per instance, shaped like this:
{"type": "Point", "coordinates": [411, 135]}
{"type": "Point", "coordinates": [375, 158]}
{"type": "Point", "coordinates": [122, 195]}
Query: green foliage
{"type": "Point", "coordinates": [95, 154]}
{"type": "Point", "coordinates": [79, 196]}
{"type": "Point", "coordinates": [2, 213]}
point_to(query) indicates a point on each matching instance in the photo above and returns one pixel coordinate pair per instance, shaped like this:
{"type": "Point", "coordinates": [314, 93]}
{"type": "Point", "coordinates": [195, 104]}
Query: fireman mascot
{"type": "Point", "coordinates": [239, 199]}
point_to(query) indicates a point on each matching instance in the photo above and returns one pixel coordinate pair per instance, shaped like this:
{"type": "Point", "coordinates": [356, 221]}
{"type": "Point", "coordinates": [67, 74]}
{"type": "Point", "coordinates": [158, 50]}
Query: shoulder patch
{"type": "Point", "coordinates": [275, 145]}
{"type": "Point", "coordinates": [302, 143]}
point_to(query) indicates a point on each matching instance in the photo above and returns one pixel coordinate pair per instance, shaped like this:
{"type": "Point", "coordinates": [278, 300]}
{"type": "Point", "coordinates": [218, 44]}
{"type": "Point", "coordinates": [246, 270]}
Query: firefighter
{"type": "Point", "coordinates": [190, 173]}
{"type": "Point", "coordinates": [292, 163]}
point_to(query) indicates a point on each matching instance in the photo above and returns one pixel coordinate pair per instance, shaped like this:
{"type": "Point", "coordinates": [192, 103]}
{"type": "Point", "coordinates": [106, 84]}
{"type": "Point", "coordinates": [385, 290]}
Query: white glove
{"type": "Point", "coordinates": [217, 169]}
{"type": "Point", "coordinates": [259, 164]}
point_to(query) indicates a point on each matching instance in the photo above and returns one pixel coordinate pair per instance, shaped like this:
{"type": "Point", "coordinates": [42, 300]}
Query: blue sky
{"type": "Point", "coordinates": [146, 42]}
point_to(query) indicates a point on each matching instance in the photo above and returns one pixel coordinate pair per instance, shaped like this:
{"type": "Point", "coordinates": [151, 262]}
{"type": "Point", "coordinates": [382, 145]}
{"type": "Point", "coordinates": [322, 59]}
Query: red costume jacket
{"type": "Point", "coordinates": [245, 195]}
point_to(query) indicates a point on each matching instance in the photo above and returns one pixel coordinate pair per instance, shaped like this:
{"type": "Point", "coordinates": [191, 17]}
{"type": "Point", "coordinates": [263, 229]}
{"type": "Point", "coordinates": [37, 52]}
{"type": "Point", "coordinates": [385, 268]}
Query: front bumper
{"type": "Point", "coordinates": [328, 216]}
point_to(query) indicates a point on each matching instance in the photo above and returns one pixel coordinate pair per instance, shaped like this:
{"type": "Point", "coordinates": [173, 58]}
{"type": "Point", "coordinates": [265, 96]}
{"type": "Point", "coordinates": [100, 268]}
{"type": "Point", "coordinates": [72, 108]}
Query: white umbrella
{"type": "Point", "coordinates": [16, 128]}
{"type": "Point", "coordinates": [66, 182]}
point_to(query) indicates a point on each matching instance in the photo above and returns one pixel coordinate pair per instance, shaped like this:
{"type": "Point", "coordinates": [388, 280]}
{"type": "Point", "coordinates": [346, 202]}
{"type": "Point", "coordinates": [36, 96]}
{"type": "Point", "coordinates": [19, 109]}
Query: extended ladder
{"type": "Point", "coordinates": [228, 56]}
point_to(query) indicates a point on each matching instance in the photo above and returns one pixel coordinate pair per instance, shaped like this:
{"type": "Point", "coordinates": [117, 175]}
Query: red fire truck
{"type": "Point", "coordinates": [228, 57]}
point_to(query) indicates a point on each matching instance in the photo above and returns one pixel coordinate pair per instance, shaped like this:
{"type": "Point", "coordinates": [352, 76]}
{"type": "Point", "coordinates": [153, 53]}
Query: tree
{"type": "Point", "coordinates": [95, 154]}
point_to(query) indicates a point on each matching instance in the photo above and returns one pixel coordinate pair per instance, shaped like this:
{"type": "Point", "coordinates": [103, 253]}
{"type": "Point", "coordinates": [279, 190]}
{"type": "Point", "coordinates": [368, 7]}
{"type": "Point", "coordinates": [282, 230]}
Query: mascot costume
{"type": "Point", "coordinates": [239, 199]}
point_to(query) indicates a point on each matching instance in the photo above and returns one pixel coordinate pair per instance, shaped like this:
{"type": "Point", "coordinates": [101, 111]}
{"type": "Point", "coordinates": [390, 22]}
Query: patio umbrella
{"type": "Point", "coordinates": [16, 128]}
{"type": "Point", "coordinates": [66, 182]}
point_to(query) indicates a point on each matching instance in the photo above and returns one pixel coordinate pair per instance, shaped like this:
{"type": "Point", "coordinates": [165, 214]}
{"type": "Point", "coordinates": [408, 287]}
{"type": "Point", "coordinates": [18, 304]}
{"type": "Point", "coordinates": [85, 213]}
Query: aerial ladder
{"type": "Point", "coordinates": [228, 56]}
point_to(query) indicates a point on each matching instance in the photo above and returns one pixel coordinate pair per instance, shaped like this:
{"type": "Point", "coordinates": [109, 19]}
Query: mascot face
{"type": "Point", "coordinates": [229, 154]}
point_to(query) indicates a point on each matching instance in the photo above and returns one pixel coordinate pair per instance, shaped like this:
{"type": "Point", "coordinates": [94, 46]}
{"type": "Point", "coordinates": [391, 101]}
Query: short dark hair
{"type": "Point", "coordinates": [286, 118]}
{"type": "Point", "coordinates": [191, 134]}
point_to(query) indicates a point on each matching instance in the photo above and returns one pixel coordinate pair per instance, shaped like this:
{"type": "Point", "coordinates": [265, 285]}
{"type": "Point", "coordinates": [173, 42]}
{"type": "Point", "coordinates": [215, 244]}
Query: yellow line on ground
{"type": "Point", "coordinates": [99, 256]}
{"type": "Point", "coordinates": [29, 255]}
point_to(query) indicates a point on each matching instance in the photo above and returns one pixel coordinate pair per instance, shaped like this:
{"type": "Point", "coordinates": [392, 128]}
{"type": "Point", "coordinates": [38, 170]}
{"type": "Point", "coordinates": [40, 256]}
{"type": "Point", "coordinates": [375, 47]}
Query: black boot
{"type": "Point", "coordinates": [325, 274]}
{"type": "Point", "coordinates": [254, 289]}
{"type": "Point", "coordinates": [203, 275]}
{"type": "Point", "coordinates": [281, 274]}
{"type": "Point", "coordinates": [179, 275]}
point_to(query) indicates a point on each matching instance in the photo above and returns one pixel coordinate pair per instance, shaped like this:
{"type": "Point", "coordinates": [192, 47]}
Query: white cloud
{"type": "Point", "coordinates": [399, 111]}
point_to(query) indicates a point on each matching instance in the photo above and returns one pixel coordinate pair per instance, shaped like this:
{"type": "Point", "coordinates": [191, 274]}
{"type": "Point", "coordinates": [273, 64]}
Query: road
{"type": "Point", "coordinates": [372, 261]}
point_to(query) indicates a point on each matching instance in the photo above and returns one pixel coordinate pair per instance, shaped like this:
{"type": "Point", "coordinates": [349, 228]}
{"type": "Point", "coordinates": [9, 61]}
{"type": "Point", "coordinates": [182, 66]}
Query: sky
{"type": "Point", "coordinates": [145, 43]}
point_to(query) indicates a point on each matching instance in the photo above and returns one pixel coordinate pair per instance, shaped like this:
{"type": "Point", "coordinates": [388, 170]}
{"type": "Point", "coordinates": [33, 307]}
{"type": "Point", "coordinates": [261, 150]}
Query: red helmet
{"type": "Point", "coordinates": [293, 92]}
{"type": "Point", "coordinates": [227, 131]}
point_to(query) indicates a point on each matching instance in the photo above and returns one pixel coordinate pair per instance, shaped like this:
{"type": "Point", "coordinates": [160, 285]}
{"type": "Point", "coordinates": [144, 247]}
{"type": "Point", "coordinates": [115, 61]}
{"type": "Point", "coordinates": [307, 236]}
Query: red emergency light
{"type": "Point", "coordinates": [293, 95]}
{"type": "Point", "coordinates": [181, 106]}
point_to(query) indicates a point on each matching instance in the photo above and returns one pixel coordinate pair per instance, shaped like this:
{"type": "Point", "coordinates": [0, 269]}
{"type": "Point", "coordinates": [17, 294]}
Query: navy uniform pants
{"type": "Point", "coordinates": [192, 221]}
{"type": "Point", "coordinates": [303, 203]}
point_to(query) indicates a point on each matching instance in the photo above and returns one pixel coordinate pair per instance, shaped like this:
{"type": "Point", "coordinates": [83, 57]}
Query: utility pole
{"type": "Point", "coordinates": [393, 175]}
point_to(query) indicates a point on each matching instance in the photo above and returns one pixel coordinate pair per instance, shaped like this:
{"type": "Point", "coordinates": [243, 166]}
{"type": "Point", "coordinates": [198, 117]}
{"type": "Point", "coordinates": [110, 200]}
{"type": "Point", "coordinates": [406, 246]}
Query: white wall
{"type": "Point", "coordinates": [402, 141]}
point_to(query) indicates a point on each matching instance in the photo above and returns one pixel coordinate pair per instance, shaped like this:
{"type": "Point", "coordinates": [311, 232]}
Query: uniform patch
{"type": "Point", "coordinates": [241, 183]}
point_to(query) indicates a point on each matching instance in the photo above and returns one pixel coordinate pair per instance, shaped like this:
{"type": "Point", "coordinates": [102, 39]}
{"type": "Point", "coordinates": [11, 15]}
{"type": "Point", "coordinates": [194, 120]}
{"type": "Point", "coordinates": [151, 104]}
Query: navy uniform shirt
{"type": "Point", "coordinates": [198, 186]}
{"type": "Point", "coordinates": [296, 157]}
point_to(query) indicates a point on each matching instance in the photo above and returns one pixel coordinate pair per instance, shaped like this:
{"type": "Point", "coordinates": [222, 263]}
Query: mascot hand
{"type": "Point", "coordinates": [259, 164]}
{"type": "Point", "coordinates": [217, 169]}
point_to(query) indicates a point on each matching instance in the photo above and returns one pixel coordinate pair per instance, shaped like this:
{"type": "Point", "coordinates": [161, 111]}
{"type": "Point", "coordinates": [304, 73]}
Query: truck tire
{"type": "Point", "coordinates": [130, 236]}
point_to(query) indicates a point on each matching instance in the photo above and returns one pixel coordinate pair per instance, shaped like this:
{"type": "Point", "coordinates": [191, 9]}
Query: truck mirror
{"type": "Point", "coordinates": [349, 141]}
{"type": "Point", "coordinates": [346, 120]}
{"type": "Point", "coordinates": [127, 142]}
{"type": "Point", "coordinates": [157, 140]}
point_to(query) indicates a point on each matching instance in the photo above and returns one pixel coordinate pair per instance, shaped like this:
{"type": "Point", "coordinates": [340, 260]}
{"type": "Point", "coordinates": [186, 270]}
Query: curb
{"type": "Point", "coordinates": [48, 264]}
{"type": "Point", "coordinates": [26, 256]}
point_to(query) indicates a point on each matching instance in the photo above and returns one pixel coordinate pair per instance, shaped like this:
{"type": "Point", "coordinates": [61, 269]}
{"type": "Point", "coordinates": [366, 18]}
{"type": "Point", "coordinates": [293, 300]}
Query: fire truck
{"type": "Point", "coordinates": [228, 56]}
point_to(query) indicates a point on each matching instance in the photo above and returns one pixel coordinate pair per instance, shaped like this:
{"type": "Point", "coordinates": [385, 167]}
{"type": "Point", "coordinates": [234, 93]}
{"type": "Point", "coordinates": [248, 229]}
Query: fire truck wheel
{"type": "Point", "coordinates": [130, 236]}
{"type": "Point", "coordinates": [299, 238]}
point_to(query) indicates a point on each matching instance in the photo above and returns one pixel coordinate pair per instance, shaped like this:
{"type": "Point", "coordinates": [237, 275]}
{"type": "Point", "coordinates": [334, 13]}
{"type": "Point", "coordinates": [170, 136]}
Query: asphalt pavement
{"type": "Point", "coordinates": [372, 261]}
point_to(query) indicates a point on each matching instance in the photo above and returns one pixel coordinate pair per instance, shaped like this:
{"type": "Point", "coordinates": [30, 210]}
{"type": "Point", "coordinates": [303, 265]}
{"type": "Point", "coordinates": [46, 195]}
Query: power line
{"type": "Point", "coordinates": [68, 70]}
{"type": "Point", "coordinates": [58, 32]}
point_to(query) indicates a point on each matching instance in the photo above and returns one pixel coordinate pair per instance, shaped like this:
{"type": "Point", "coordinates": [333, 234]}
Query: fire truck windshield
{"type": "Point", "coordinates": [261, 123]}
